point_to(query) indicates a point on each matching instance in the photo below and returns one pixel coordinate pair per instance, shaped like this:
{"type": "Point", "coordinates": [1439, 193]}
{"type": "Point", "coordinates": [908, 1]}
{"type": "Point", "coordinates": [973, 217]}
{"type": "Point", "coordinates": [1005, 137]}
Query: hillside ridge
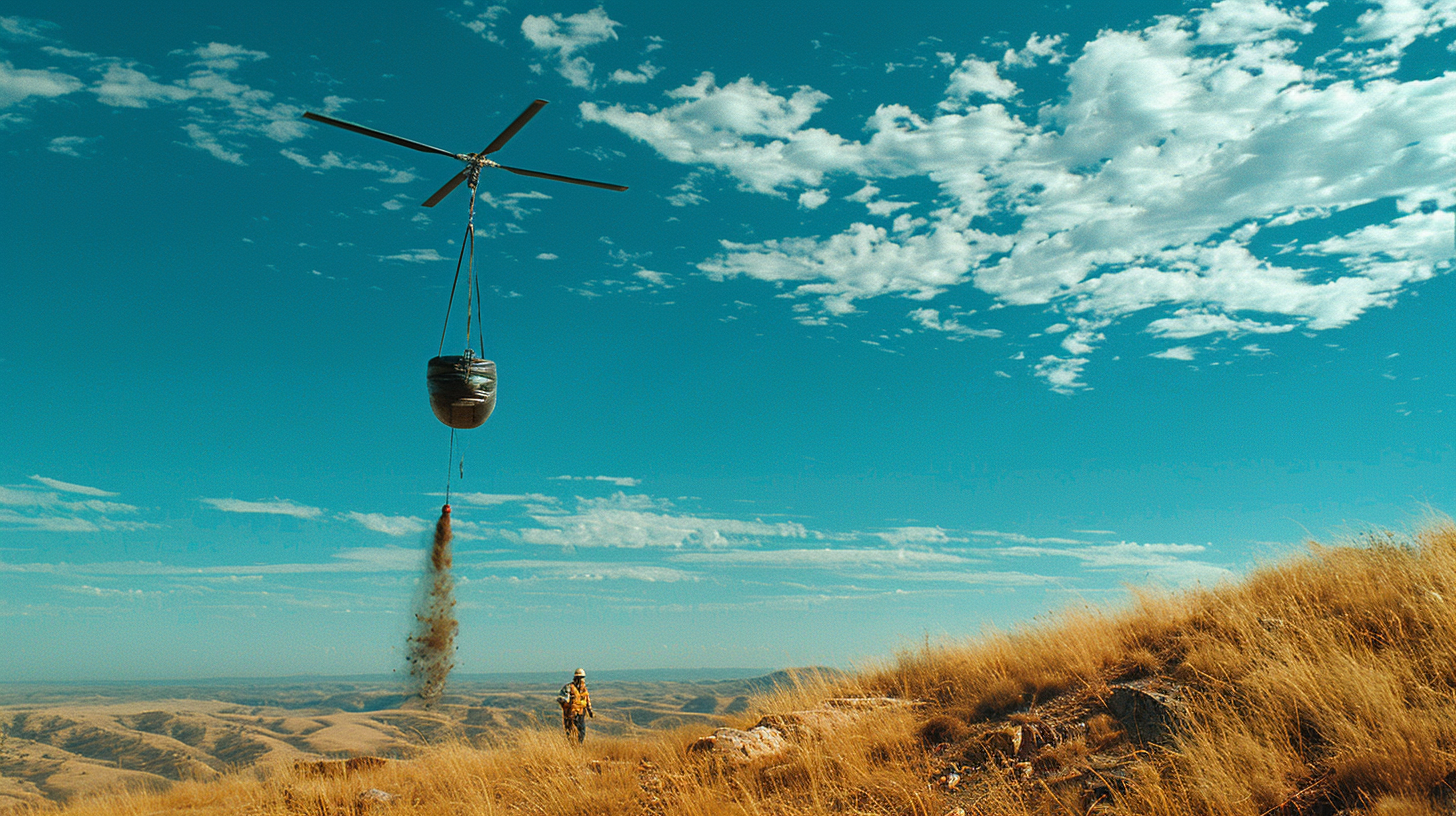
{"type": "Point", "coordinates": [1321, 685]}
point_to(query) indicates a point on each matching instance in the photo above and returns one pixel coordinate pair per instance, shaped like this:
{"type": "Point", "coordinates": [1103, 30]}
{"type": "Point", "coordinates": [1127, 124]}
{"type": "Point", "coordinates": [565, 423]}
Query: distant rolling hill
{"type": "Point", "coordinates": [64, 740]}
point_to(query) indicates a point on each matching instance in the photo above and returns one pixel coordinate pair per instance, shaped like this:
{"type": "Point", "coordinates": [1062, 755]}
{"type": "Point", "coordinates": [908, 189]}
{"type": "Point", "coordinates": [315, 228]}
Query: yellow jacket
{"type": "Point", "coordinates": [578, 699]}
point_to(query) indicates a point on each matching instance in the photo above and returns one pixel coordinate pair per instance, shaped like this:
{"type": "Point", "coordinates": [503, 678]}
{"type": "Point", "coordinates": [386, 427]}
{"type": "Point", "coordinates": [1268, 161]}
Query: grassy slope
{"type": "Point", "coordinates": [1322, 685]}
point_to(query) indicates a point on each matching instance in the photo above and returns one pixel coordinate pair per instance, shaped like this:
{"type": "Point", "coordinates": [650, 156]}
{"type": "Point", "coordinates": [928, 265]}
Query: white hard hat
{"type": "Point", "coordinates": [580, 673]}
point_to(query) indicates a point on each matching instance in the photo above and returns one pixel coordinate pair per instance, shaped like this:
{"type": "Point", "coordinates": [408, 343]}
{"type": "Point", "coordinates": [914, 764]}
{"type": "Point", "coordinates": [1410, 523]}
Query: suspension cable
{"type": "Point", "coordinates": [450, 466]}
{"type": "Point", "coordinates": [470, 282]}
{"type": "Point", "coordinates": [459, 262]}
{"type": "Point", "coordinates": [479, 304]}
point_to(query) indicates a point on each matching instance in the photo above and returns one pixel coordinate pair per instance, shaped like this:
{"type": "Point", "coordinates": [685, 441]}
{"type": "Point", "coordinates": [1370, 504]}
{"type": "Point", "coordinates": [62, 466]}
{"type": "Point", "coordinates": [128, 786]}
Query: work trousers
{"type": "Point", "coordinates": [578, 722]}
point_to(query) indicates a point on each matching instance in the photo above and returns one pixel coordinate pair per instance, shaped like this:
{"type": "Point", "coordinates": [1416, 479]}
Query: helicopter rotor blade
{"type": "Point", "coordinates": [447, 189]}
{"type": "Point", "coordinates": [512, 128]}
{"type": "Point", "coordinates": [378, 134]}
{"type": "Point", "coordinates": [568, 179]}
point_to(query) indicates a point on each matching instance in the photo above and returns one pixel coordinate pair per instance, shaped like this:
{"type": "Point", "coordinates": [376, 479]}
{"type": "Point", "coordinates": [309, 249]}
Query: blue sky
{"type": "Point", "coordinates": [909, 325]}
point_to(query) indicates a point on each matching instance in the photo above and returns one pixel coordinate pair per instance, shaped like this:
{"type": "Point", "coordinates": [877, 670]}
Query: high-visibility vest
{"type": "Point", "coordinates": [579, 699]}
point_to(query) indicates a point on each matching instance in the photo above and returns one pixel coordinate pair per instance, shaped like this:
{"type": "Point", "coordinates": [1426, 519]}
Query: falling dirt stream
{"type": "Point", "coordinates": [432, 646]}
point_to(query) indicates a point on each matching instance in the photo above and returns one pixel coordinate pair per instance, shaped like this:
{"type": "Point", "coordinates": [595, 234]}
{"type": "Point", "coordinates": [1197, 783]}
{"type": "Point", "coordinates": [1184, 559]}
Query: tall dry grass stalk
{"type": "Point", "coordinates": [1324, 684]}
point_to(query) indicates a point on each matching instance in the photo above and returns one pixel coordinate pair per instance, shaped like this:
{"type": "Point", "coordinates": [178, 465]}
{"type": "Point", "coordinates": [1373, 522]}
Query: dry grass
{"type": "Point", "coordinates": [1322, 685]}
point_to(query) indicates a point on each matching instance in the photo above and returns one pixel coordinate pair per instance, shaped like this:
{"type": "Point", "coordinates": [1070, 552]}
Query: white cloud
{"type": "Point", "coordinates": [221, 115]}
{"type": "Point", "coordinates": [1423, 240]}
{"type": "Point", "coordinates": [27, 497]}
{"type": "Point", "coordinates": [389, 525]}
{"type": "Point", "coordinates": [1063, 374]}
{"type": "Point", "coordinates": [49, 510]}
{"type": "Point", "coordinates": [71, 145]}
{"type": "Point", "coordinates": [1184, 353]}
{"type": "Point", "coordinates": [353, 560]}
{"type": "Point", "coordinates": [223, 57]}
{"type": "Point", "coordinates": [723, 128]}
{"type": "Point", "coordinates": [20, 28]}
{"type": "Point", "coordinates": [563, 36]}
{"type": "Point", "coordinates": [208, 142]}
{"type": "Point", "coordinates": [644, 73]}
{"type": "Point", "coordinates": [332, 160]}
{"type": "Point", "coordinates": [1141, 190]}
{"type": "Point", "coordinates": [56, 484]}
{"type": "Point", "coordinates": [484, 23]}
{"type": "Point", "coordinates": [1086, 333]}
{"type": "Point", "coordinates": [930, 319]}
{"type": "Point", "coordinates": [813, 199]}
{"type": "Point", "coordinates": [415, 256]}
{"type": "Point", "coordinates": [50, 524]}
{"type": "Point", "coordinates": [620, 481]}
{"type": "Point", "coordinates": [52, 501]}
{"type": "Point", "coordinates": [1036, 48]}
{"type": "Point", "coordinates": [1021, 538]}
{"type": "Point", "coordinates": [974, 76]}
{"type": "Point", "coordinates": [1172, 563]}
{"type": "Point", "coordinates": [489, 499]}
{"type": "Point", "coordinates": [123, 86]}
{"type": "Point", "coordinates": [19, 84]}
{"type": "Point", "coordinates": [828, 557]}
{"type": "Point", "coordinates": [638, 522]}
{"type": "Point", "coordinates": [1186, 323]}
{"type": "Point", "coordinates": [1397, 23]}
{"type": "Point", "coordinates": [595, 571]}
{"type": "Point", "coordinates": [546, 256]}
{"type": "Point", "coordinates": [977, 577]}
{"type": "Point", "coordinates": [900, 536]}
{"type": "Point", "coordinates": [1232, 22]}
{"type": "Point", "coordinates": [865, 261]}
{"type": "Point", "coordinates": [277, 507]}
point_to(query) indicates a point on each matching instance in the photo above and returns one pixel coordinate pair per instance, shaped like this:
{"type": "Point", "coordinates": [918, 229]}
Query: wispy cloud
{"type": "Point", "coordinates": [26, 507]}
{"type": "Point", "coordinates": [1173, 563]}
{"type": "Point", "coordinates": [1184, 353]}
{"type": "Point", "coordinates": [358, 559]}
{"type": "Point", "coordinates": [220, 115]}
{"type": "Point", "coordinates": [619, 481]}
{"type": "Point", "coordinates": [21, 28]}
{"type": "Point", "coordinates": [484, 22]}
{"type": "Point", "coordinates": [644, 73]}
{"type": "Point", "coordinates": [332, 160]}
{"type": "Point", "coordinates": [389, 525]}
{"type": "Point", "coordinates": [828, 557]}
{"type": "Point", "coordinates": [634, 521]}
{"type": "Point", "coordinates": [75, 146]}
{"type": "Point", "coordinates": [56, 484]}
{"type": "Point", "coordinates": [1063, 374]}
{"type": "Point", "coordinates": [592, 571]}
{"type": "Point", "coordinates": [415, 256]}
{"type": "Point", "coordinates": [276, 507]}
{"type": "Point", "coordinates": [901, 536]}
{"type": "Point", "coordinates": [488, 499]}
{"type": "Point", "coordinates": [1068, 204]}
{"type": "Point", "coordinates": [1020, 538]}
{"type": "Point", "coordinates": [48, 523]}
{"type": "Point", "coordinates": [19, 85]}
{"type": "Point", "coordinates": [563, 37]}
{"type": "Point", "coordinates": [930, 319]}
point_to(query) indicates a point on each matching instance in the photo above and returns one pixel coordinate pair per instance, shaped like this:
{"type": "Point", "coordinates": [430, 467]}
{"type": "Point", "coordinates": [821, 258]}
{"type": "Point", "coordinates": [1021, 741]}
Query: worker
{"type": "Point", "coordinates": [577, 706]}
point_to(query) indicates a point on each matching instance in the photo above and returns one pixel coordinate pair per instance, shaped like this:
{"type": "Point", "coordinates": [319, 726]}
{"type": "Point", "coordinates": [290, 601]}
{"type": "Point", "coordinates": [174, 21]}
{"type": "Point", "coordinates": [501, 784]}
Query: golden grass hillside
{"type": "Point", "coordinates": [1325, 684]}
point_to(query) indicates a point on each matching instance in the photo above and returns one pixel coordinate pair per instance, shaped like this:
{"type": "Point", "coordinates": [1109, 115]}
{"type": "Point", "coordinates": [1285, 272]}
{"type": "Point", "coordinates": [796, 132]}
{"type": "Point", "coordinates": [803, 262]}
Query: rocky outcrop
{"type": "Point", "coordinates": [775, 733]}
{"type": "Point", "coordinates": [1147, 709]}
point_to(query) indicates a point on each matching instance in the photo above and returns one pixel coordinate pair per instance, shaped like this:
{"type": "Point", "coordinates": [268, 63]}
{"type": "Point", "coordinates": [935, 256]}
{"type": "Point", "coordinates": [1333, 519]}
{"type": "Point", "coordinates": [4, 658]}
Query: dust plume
{"type": "Point", "coordinates": [432, 646]}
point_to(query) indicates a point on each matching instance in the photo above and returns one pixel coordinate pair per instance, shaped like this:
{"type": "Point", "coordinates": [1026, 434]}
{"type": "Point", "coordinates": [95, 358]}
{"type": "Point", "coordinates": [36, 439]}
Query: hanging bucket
{"type": "Point", "coordinates": [462, 390]}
